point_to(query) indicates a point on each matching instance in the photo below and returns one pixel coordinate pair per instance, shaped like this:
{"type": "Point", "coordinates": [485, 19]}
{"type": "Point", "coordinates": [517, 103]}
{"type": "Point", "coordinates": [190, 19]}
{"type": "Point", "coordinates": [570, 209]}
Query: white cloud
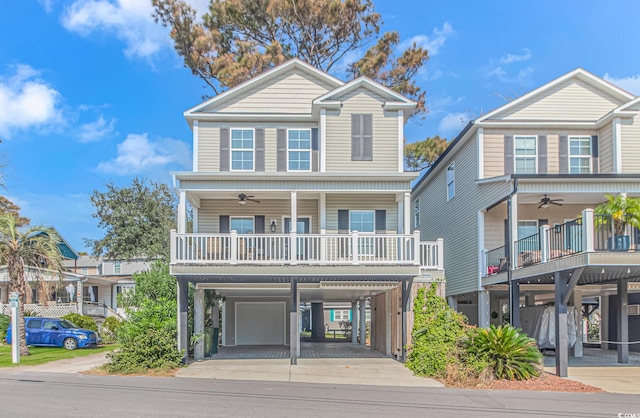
{"type": "Point", "coordinates": [630, 84]}
{"type": "Point", "coordinates": [433, 42]}
{"type": "Point", "coordinates": [128, 20]}
{"type": "Point", "coordinates": [27, 101]}
{"type": "Point", "coordinates": [137, 154]}
{"type": "Point", "coordinates": [505, 68]}
{"type": "Point", "coordinates": [439, 104]}
{"type": "Point", "coordinates": [452, 123]}
{"type": "Point", "coordinates": [509, 58]}
{"type": "Point", "coordinates": [47, 4]}
{"type": "Point", "coordinates": [96, 130]}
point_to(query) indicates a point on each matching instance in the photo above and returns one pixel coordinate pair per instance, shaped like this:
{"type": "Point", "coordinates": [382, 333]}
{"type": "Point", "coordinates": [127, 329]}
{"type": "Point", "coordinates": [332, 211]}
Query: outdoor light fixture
{"type": "Point", "coordinates": [242, 202]}
{"type": "Point", "coordinates": [273, 225]}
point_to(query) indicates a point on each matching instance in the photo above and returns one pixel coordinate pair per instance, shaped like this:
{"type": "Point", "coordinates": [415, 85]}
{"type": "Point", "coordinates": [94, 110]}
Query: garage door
{"type": "Point", "coordinates": [260, 323]}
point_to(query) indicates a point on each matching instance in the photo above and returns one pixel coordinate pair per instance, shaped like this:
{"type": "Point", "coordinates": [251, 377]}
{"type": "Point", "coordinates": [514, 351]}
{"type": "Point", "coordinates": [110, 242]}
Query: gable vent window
{"type": "Point", "coordinates": [242, 149]}
{"type": "Point", "coordinates": [579, 154]}
{"type": "Point", "coordinates": [451, 182]}
{"type": "Point", "coordinates": [299, 143]}
{"type": "Point", "coordinates": [525, 154]}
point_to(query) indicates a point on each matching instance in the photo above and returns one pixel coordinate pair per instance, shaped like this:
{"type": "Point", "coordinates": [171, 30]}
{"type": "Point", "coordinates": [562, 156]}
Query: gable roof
{"type": "Point", "coordinates": [292, 64]}
{"type": "Point", "coordinates": [366, 83]}
{"type": "Point", "coordinates": [67, 251]}
{"type": "Point", "coordinates": [578, 73]}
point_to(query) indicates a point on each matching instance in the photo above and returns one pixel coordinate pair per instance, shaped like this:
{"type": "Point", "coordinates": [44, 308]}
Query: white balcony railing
{"type": "Point", "coordinates": [353, 248]}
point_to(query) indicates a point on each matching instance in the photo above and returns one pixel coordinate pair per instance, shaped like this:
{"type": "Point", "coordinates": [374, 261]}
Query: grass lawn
{"type": "Point", "coordinates": [41, 355]}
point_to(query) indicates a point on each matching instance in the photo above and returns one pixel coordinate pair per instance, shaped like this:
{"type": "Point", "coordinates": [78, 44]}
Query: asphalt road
{"type": "Point", "coordinates": [31, 394]}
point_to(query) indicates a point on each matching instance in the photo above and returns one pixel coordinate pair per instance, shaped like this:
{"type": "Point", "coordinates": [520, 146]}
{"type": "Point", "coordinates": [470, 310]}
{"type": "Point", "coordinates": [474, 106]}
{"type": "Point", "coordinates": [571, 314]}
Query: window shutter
{"type": "Point", "coordinates": [314, 149]}
{"type": "Point", "coordinates": [542, 154]}
{"type": "Point", "coordinates": [563, 147]}
{"type": "Point", "coordinates": [595, 160]}
{"type": "Point", "coordinates": [508, 154]}
{"type": "Point", "coordinates": [224, 224]}
{"type": "Point", "coordinates": [259, 149]}
{"type": "Point", "coordinates": [381, 221]}
{"type": "Point", "coordinates": [356, 137]}
{"type": "Point", "coordinates": [343, 221]}
{"type": "Point", "coordinates": [282, 149]}
{"type": "Point", "coordinates": [332, 315]}
{"type": "Point", "coordinates": [258, 224]}
{"type": "Point", "coordinates": [367, 137]}
{"type": "Point", "coordinates": [224, 149]}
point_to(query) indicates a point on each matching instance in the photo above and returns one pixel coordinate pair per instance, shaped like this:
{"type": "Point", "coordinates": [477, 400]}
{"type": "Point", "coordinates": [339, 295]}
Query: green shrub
{"type": "Point", "coordinates": [147, 339]}
{"type": "Point", "coordinates": [5, 321]}
{"type": "Point", "coordinates": [82, 321]}
{"type": "Point", "coordinates": [510, 353]}
{"type": "Point", "coordinates": [110, 328]}
{"type": "Point", "coordinates": [437, 333]}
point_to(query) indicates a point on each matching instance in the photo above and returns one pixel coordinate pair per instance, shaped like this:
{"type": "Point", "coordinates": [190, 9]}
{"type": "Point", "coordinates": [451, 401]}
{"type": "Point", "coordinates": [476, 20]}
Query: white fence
{"type": "Point", "coordinates": [353, 248]}
{"type": "Point", "coordinates": [53, 311]}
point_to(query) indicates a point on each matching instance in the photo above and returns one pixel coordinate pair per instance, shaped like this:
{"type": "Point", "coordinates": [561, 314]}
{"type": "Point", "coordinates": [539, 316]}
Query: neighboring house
{"type": "Point", "coordinates": [513, 198]}
{"type": "Point", "coordinates": [299, 195]}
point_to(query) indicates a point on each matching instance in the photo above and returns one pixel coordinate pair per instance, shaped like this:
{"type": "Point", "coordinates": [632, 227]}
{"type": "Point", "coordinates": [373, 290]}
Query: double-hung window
{"type": "Point", "coordinates": [116, 267]}
{"type": "Point", "coordinates": [299, 145]}
{"type": "Point", "coordinates": [242, 149]}
{"type": "Point", "coordinates": [242, 225]}
{"type": "Point", "coordinates": [363, 221]}
{"type": "Point", "coordinates": [525, 154]}
{"type": "Point", "coordinates": [451, 182]}
{"type": "Point", "coordinates": [579, 154]}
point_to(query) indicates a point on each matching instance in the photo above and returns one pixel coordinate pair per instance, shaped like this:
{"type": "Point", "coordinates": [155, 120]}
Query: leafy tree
{"type": "Point", "coordinates": [155, 284]}
{"type": "Point", "coordinates": [422, 154]}
{"type": "Point", "coordinates": [239, 39]}
{"type": "Point", "coordinates": [136, 219]}
{"type": "Point", "coordinates": [7, 206]}
{"type": "Point", "coordinates": [36, 250]}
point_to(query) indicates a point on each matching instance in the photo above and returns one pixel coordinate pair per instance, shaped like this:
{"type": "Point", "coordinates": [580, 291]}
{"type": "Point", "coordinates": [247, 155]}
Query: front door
{"type": "Point", "coordinates": [303, 226]}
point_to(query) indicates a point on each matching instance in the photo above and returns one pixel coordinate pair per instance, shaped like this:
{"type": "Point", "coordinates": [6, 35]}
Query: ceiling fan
{"type": "Point", "coordinates": [243, 199]}
{"type": "Point", "coordinates": [545, 202]}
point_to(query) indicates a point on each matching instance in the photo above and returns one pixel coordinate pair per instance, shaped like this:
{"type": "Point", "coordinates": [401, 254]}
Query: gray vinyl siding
{"type": "Point", "coordinates": [385, 134]}
{"type": "Point", "coordinates": [126, 267]}
{"type": "Point", "coordinates": [336, 202]}
{"type": "Point", "coordinates": [211, 209]}
{"type": "Point", "coordinates": [229, 326]}
{"type": "Point", "coordinates": [605, 148]}
{"type": "Point", "coordinates": [290, 92]}
{"type": "Point", "coordinates": [571, 100]}
{"type": "Point", "coordinates": [631, 145]}
{"type": "Point", "coordinates": [494, 147]}
{"type": "Point", "coordinates": [456, 221]}
{"type": "Point", "coordinates": [209, 142]}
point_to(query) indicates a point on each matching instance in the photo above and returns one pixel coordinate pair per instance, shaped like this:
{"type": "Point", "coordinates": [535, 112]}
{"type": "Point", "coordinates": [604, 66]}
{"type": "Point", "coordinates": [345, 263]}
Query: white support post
{"type": "Point", "coordinates": [323, 140]}
{"type": "Point", "coordinates": [173, 245]}
{"type": "Point", "coordinates": [233, 242]}
{"type": "Point", "coordinates": [416, 249]}
{"type": "Point", "coordinates": [195, 146]}
{"type": "Point", "coordinates": [588, 231]}
{"type": "Point", "coordinates": [482, 254]}
{"type": "Point", "coordinates": [544, 243]}
{"type": "Point", "coordinates": [480, 144]}
{"type": "Point", "coordinates": [322, 203]}
{"type": "Point", "coordinates": [195, 220]}
{"type": "Point", "coordinates": [387, 321]}
{"type": "Point", "coordinates": [484, 311]}
{"type": "Point", "coordinates": [79, 295]}
{"type": "Point", "coordinates": [354, 322]}
{"type": "Point", "coordinates": [182, 213]}
{"type": "Point", "coordinates": [354, 248]}
{"type": "Point", "coordinates": [299, 320]}
{"type": "Point", "coordinates": [440, 246]}
{"type": "Point", "coordinates": [513, 216]}
{"type": "Point", "coordinates": [363, 322]}
{"type": "Point", "coordinates": [484, 268]}
{"type": "Point", "coordinates": [294, 212]}
{"type": "Point", "coordinates": [198, 323]}
{"type": "Point", "coordinates": [400, 203]}
{"type": "Point", "coordinates": [401, 142]}
{"type": "Point", "coordinates": [617, 145]}
{"type": "Point", "coordinates": [407, 213]}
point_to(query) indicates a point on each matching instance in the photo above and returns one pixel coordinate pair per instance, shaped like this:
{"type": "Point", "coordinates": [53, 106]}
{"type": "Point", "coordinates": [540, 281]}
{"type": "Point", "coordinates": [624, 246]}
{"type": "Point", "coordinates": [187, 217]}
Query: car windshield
{"type": "Point", "coordinates": [67, 324]}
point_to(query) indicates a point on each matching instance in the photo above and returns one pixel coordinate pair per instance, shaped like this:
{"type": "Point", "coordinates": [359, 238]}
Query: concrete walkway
{"type": "Point", "coordinates": [360, 371]}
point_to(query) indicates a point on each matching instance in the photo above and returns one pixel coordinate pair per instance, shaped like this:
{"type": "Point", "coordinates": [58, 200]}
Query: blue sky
{"type": "Point", "coordinates": [91, 91]}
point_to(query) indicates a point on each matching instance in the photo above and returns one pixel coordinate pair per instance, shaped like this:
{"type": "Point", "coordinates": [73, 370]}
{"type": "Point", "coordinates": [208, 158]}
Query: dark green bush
{"type": "Point", "coordinates": [5, 321]}
{"type": "Point", "coordinates": [510, 353]}
{"type": "Point", "coordinates": [82, 321]}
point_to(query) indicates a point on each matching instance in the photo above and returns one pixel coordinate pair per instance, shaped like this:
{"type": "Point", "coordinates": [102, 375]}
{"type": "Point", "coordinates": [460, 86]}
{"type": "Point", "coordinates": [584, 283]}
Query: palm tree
{"type": "Point", "coordinates": [33, 253]}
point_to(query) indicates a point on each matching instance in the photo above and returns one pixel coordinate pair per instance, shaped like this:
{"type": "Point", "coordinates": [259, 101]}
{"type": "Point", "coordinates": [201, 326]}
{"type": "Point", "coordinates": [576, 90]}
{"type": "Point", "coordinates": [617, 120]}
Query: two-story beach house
{"type": "Point", "coordinates": [513, 198]}
{"type": "Point", "coordinates": [299, 195]}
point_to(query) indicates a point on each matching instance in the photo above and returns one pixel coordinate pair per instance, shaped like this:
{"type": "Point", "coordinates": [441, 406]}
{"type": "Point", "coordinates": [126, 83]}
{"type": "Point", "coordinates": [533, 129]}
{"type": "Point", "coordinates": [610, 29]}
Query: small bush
{"type": "Point", "coordinates": [110, 328]}
{"type": "Point", "coordinates": [5, 321]}
{"type": "Point", "coordinates": [510, 353]}
{"type": "Point", "coordinates": [82, 321]}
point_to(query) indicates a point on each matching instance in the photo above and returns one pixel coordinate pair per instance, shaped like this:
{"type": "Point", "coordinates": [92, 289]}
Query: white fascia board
{"type": "Point", "coordinates": [310, 176]}
{"type": "Point", "coordinates": [363, 81]}
{"type": "Point", "coordinates": [627, 105]}
{"type": "Point", "coordinates": [218, 117]}
{"type": "Point", "coordinates": [610, 88]}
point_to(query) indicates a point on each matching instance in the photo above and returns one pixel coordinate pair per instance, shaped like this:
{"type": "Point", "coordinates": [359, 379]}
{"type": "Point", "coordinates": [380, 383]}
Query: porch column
{"type": "Point", "coordinates": [529, 299]}
{"type": "Point", "coordinates": [294, 213]}
{"type": "Point", "coordinates": [183, 333]}
{"type": "Point", "coordinates": [407, 285]}
{"type": "Point", "coordinates": [317, 321]}
{"type": "Point", "coordinates": [513, 230]}
{"type": "Point", "coordinates": [182, 213]}
{"type": "Point", "coordinates": [387, 323]}
{"type": "Point", "coordinates": [577, 303]}
{"type": "Point", "coordinates": [196, 215]}
{"type": "Point", "coordinates": [623, 322]}
{"type": "Point", "coordinates": [453, 302]}
{"type": "Point", "coordinates": [198, 323]}
{"type": "Point", "coordinates": [293, 323]}
{"type": "Point", "coordinates": [484, 314]}
{"type": "Point", "coordinates": [322, 210]}
{"type": "Point", "coordinates": [562, 343]}
{"type": "Point", "coordinates": [406, 228]}
{"type": "Point", "coordinates": [514, 303]}
{"type": "Point", "coordinates": [363, 322]}
{"type": "Point", "coordinates": [604, 320]}
{"type": "Point", "coordinates": [354, 321]}
{"type": "Point", "coordinates": [79, 295]}
{"type": "Point", "coordinates": [298, 320]}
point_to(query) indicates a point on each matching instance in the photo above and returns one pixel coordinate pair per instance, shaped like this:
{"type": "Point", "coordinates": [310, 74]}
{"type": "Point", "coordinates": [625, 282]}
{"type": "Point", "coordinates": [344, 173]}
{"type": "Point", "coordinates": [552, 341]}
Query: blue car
{"type": "Point", "coordinates": [56, 332]}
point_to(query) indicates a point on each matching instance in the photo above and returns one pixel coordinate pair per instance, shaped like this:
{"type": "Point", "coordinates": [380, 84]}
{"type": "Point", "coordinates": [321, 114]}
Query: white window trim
{"type": "Point", "coordinates": [416, 212]}
{"type": "Point", "coordinates": [342, 315]}
{"type": "Point", "coordinates": [453, 181]}
{"type": "Point", "coordinates": [588, 156]}
{"type": "Point", "coordinates": [253, 220]}
{"type": "Point", "coordinates": [515, 156]}
{"type": "Point", "coordinates": [365, 210]}
{"type": "Point", "coordinates": [231, 149]}
{"type": "Point", "coordinates": [117, 265]}
{"type": "Point", "coordinates": [310, 150]}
